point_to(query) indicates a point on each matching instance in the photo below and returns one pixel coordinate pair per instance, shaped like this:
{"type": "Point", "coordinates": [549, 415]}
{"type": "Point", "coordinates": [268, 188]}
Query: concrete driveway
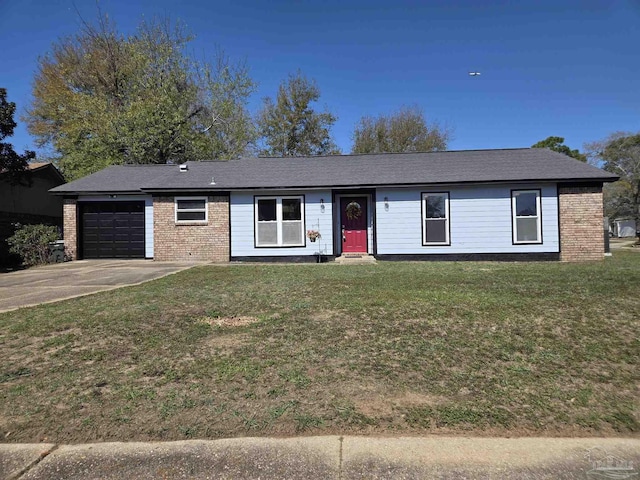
{"type": "Point", "coordinates": [61, 281]}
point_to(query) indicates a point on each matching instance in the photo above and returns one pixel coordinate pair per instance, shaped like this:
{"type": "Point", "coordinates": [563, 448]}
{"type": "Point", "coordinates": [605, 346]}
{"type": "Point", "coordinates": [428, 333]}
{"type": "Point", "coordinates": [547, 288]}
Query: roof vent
{"type": "Point", "coordinates": [213, 181]}
{"type": "Point", "coordinates": [184, 167]}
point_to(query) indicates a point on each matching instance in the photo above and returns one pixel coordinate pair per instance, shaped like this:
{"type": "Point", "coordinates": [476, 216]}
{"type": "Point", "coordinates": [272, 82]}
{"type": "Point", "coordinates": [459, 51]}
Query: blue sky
{"type": "Point", "coordinates": [564, 68]}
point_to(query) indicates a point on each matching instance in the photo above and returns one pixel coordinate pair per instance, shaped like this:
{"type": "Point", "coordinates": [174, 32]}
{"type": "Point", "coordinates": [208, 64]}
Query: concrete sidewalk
{"type": "Point", "coordinates": [330, 457]}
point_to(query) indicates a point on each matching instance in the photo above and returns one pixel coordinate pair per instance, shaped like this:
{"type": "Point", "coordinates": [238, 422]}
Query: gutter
{"type": "Point", "coordinates": [70, 193]}
{"type": "Point", "coordinates": [221, 189]}
{"type": "Point", "coordinates": [378, 185]}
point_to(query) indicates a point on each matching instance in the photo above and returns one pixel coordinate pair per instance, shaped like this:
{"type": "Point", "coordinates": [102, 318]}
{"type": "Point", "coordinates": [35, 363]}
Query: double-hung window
{"type": "Point", "coordinates": [279, 221]}
{"type": "Point", "coordinates": [191, 209]}
{"type": "Point", "coordinates": [435, 218]}
{"type": "Point", "coordinates": [525, 208]}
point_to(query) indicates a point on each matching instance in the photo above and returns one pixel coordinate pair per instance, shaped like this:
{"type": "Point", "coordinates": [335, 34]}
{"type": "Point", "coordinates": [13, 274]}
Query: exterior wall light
{"type": "Point", "coordinates": [322, 205]}
{"type": "Point", "coordinates": [386, 203]}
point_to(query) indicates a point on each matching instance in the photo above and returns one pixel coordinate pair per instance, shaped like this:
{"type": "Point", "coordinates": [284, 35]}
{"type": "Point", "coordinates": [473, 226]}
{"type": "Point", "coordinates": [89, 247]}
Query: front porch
{"type": "Point", "coordinates": [355, 259]}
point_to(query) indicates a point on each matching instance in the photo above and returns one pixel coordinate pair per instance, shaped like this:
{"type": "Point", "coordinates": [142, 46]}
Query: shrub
{"type": "Point", "coordinates": [31, 242]}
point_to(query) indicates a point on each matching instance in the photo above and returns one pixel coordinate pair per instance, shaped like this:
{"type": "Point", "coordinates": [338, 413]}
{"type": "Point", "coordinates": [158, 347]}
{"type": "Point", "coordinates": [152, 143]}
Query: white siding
{"type": "Point", "coordinates": [242, 225]}
{"type": "Point", "coordinates": [148, 227]}
{"type": "Point", "coordinates": [480, 220]}
{"type": "Point", "coordinates": [148, 214]}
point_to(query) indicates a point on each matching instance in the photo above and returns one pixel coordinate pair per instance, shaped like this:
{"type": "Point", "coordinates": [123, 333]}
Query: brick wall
{"type": "Point", "coordinates": [70, 227]}
{"type": "Point", "coordinates": [581, 227]}
{"type": "Point", "coordinates": [193, 241]}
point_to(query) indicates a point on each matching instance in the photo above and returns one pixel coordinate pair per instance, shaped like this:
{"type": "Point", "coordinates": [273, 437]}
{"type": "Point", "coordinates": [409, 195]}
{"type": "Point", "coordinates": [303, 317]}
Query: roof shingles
{"type": "Point", "coordinates": [471, 166]}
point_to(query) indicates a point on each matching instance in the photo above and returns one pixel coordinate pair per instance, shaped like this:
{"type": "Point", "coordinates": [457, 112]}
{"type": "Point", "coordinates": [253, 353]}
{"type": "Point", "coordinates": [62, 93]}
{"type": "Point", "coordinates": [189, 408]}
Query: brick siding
{"type": "Point", "coordinates": [70, 227]}
{"type": "Point", "coordinates": [581, 223]}
{"type": "Point", "coordinates": [191, 241]}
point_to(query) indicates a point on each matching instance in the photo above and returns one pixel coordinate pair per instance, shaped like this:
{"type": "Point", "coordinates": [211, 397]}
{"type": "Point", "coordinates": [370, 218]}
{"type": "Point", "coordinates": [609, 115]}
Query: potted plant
{"type": "Point", "coordinates": [313, 234]}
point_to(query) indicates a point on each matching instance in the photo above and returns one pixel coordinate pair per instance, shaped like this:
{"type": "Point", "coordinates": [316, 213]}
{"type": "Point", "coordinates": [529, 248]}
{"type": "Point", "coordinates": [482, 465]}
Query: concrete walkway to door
{"type": "Point", "coordinates": [61, 281]}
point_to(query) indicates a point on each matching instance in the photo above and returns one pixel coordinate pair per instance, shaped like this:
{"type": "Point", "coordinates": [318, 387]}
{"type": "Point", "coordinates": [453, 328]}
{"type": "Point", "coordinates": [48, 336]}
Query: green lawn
{"type": "Point", "coordinates": [393, 348]}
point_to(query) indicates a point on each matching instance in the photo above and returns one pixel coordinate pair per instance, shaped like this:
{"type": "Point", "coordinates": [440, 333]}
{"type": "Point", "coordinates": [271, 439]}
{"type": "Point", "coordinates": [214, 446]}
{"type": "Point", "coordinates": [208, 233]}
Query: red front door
{"type": "Point", "coordinates": [353, 220]}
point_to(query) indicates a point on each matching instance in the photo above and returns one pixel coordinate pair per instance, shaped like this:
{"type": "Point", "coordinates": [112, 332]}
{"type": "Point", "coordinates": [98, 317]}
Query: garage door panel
{"type": "Point", "coordinates": [128, 207]}
{"type": "Point", "coordinates": [128, 235]}
{"type": "Point", "coordinates": [91, 208]}
{"type": "Point", "coordinates": [124, 252]}
{"type": "Point", "coordinates": [127, 214]}
{"type": "Point", "coordinates": [123, 239]}
{"type": "Point", "coordinates": [112, 230]}
{"type": "Point", "coordinates": [127, 223]}
{"type": "Point", "coordinates": [106, 238]}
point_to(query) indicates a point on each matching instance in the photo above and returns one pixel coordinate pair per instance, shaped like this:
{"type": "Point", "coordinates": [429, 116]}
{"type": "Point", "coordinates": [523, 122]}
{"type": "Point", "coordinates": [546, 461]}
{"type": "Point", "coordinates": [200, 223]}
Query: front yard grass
{"type": "Point", "coordinates": [393, 348]}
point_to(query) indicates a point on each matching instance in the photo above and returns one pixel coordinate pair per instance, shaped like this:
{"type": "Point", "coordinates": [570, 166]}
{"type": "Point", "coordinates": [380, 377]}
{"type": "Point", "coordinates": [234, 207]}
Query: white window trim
{"type": "Point", "coordinates": [447, 241]}
{"type": "Point", "coordinates": [538, 217]}
{"type": "Point", "coordinates": [279, 221]}
{"type": "Point", "coordinates": [206, 210]}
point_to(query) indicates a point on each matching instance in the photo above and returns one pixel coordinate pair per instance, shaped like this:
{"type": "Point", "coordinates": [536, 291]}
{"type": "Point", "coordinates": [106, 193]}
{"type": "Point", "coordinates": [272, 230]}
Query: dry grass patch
{"type": "Point", "coordinates": [241, 321]}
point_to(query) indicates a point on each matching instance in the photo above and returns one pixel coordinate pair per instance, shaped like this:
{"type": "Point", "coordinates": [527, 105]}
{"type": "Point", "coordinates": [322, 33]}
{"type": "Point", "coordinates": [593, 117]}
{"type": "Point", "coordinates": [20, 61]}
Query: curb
{"type": "Point", "coordinates": [328, 457]}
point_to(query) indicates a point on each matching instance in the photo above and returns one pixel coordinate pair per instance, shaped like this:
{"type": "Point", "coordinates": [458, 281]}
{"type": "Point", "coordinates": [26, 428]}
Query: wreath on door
{"type": "Point", "coordinates": [354, 210]}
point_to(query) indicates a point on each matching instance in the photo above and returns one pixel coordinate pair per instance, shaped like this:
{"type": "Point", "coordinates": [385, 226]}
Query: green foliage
{"type": "Point", "coordinates": [620, 154]}
{"type": "Point", "coordinates": [31, 242]}
{"type": "Point", "coordinates": [624, 421]}
{"type": "Point", "coordinates": [290, 127]}
{"type": "Point", "coordinates": [557, 145]}
{"type": "Point", "coordinates": [306, 421]}
{"type": "Point", "coordinates": [618, 199]}
{"type": "Point", "coordinates": [102, 98]}
{"type": "Point", "coordinates": [7, 110]}
{"type": "Point", "coordinates": [10, 161]}
{"type": "Point", "coordinates": [403, 131]}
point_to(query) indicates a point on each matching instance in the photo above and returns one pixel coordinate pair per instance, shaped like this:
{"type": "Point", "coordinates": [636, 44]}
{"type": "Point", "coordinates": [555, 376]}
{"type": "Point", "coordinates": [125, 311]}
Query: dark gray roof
{"type": "Point", "coordinates": [117, 178]}
{"type": "Point", "coordinates": [470, 166]}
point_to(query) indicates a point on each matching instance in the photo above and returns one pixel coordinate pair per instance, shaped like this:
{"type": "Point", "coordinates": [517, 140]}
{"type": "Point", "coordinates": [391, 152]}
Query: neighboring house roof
{"type": "Point", "coordinates": [47, 167]}
{"type": "Point", "coordinates": [42, 167]}
{"type": "Point", "coordinates": [36, 165]}
{"type": "Point", "coordinates": [343, 171]}
{"type": "Point", "coordinates": [28, 192]}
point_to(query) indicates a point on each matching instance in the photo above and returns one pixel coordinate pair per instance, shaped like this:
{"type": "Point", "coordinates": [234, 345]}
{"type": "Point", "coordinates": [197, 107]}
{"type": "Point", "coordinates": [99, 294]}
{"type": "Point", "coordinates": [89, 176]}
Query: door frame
{"type": "Point", "coordinates": [369, 194]}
